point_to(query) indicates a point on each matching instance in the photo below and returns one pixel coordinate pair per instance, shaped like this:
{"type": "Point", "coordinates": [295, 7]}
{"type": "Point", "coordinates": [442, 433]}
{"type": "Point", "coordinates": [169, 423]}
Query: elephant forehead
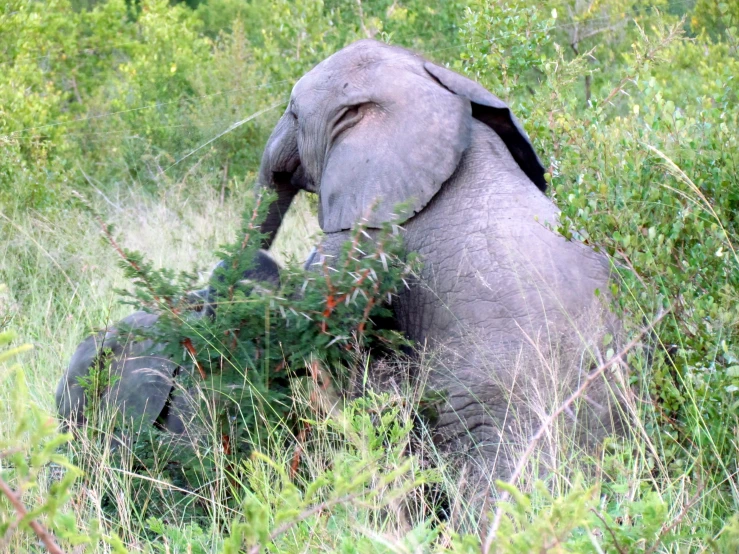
{"type": "Point", "coordinates": [353, 69]}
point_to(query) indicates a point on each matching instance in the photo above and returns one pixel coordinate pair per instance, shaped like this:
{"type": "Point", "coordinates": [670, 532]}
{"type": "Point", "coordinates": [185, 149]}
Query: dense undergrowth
{"type": "Point", "coordinates": [157, 112]}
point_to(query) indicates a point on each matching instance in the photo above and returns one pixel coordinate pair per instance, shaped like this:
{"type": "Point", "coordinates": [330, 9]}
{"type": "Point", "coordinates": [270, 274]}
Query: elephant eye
{"type": "Point", "coordinates": [347, 117]}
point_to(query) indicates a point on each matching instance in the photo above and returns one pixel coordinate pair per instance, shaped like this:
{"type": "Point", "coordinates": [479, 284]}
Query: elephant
{"type": "Point", "coordinates": [265, 271]}
{"type": "Point", "coordinates": [513, 313]}
{"type": "Point", "coordinates": [144, 378]}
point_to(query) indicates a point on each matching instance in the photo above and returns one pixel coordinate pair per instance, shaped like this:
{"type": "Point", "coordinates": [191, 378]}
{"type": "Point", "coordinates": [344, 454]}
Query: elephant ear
{"type": "Point", "coordinates": [409, 142]}
{"type": "Point", "coordinates": [145, 380]}
{"type": "Point", "coordinates": [492, 111]}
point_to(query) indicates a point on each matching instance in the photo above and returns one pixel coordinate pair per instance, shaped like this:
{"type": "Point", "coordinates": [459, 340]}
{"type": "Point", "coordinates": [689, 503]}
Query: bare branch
{"type": "Point", "coordinates": [20, 509]}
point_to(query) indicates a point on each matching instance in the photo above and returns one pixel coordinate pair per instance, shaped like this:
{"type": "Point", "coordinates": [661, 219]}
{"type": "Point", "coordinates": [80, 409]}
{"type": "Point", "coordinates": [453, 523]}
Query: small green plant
{"type": "Point", "coordinates": [372, 473]}
{"type": "Point", "coordinates": [29, 458]}
{"type": "Point", "coordinates": [95, 383]}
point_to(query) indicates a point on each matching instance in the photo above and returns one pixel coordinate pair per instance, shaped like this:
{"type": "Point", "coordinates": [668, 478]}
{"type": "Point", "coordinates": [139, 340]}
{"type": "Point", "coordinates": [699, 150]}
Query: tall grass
{"type": "Point", "coordinates": [67, 274]}
{"type": "Point", "coordinates": [63, 278]}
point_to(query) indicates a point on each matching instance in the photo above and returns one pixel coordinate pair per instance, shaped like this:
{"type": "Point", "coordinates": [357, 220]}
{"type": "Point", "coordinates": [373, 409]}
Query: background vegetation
{"type": "Point", "coordinates": [156, 112]}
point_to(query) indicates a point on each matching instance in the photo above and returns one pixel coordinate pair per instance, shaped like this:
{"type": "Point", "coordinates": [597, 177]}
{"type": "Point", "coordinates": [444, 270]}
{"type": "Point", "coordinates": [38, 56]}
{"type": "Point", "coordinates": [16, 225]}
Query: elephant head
{"type": "Point", "coordinates": [374, 126]}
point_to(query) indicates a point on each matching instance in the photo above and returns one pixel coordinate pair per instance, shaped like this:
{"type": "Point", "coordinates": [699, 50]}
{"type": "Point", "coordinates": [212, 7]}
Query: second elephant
{"type": "Point", "coordinates": [142, 380]}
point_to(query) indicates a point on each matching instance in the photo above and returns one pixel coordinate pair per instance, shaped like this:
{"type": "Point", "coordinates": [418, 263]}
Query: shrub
{"type": "Point", "coordinates": [242, 365]}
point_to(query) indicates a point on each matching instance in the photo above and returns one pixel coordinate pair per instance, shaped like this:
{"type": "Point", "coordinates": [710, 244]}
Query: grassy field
{"type": "Point", "coordinates": [62, 277]}
{"type": "Point", "coordinates": [134, 106]}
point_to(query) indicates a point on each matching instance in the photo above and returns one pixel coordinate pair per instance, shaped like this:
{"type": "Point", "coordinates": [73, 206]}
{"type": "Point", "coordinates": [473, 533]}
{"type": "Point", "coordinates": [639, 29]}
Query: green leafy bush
{"type": "Point", "coordinates": [240, 367]}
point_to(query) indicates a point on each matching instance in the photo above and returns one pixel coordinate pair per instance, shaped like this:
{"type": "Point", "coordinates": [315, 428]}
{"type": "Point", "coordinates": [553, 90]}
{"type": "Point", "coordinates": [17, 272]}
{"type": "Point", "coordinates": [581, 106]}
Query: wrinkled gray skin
{"type": "Point", "coordinates": [375, 125]}
{"type": "Point", "coordinates": [145, 379]}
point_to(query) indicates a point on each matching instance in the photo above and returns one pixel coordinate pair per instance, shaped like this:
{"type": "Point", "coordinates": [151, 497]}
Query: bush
{"type": "Point", "coordinates": [240, 367]}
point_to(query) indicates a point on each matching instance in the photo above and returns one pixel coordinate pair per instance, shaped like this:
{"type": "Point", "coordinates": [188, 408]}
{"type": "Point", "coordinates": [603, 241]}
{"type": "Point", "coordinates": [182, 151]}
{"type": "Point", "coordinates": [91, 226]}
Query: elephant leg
{"type": "Point", "coordinates": [327, 252]}
{"type": "Point", "coordinates": [496, 402]}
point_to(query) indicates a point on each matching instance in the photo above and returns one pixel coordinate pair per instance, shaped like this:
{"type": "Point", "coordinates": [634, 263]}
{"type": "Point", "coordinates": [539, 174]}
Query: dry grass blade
{"type": "Point", "coordinates": [523, 460]}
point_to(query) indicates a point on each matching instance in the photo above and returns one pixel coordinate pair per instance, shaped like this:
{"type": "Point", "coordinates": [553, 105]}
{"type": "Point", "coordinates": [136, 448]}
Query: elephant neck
{"type": "Point", "coordinates": [488, 192]}
{"type": "Point", "coordinates": [493, 260]}
{"type": "Point", "coordinates": [488, 170]}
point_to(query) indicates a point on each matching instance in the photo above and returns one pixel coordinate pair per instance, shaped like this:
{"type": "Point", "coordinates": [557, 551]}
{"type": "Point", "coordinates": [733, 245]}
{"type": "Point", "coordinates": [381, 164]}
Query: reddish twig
{"type": "Point", "coordinates": [39, 529]}
{"type": "Point", "coordinates": [226, 443]}
{"type": "Point", "coordinates": [298, 452]}
{"type": "Point", "coordinates": [321, 384]}
{"type": "Point", "coordinates": [187, 343]}
{"type": "Point", "coordinates": [119, 250]}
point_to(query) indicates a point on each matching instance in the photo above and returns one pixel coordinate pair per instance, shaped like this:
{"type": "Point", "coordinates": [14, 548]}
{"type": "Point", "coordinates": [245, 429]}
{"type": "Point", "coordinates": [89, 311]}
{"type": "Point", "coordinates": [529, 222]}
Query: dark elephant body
{"type": "Point", "coordinates": [142, 379]}
{"type": "Point", "coordinates": [513, 312]}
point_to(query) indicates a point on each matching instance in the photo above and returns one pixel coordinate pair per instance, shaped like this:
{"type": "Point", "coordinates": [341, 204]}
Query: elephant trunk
{"type": "Point", "coordinates": [282, 172]}
{"type": "Point", "coordinates": [277, 210]}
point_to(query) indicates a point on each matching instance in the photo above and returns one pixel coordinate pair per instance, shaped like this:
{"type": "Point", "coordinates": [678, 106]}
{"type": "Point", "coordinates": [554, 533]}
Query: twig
{"type": "Point", "coordinates": [187, 343]}
{"type": "Point", "coordinates": [117, 247]}
{"type": "Point", "coordinates": [39, 529]}
{"type": "Point", "coordinates": [650, 55]}
{"type": "Point", "coordinates": [361, 20]}
{"type": "Point", "coordinates": [244, 243]}
{"type": "Point", "coordinates": [76, 90]}
{"type": "Point", "coordinates": [298, 452]}
{"type": "Point", "coordinates": [100, 192]}
{"type": "Point", "coordinates": [224, 183]}
{"type": "Point", "coordinates": [233, 127]}
{"type": "Point", "coordinates": [492, 532]}
{"type": "Point", "coordinates": [600, 30]}
{"type": "Point", "coordinates": [675, 522]}
{"type": "Point", "coordinates": [613, 535]}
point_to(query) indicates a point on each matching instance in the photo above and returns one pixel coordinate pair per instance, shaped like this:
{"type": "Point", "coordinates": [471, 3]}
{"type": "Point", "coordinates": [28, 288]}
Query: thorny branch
{"type": "Point", "coordinates": [119, 250]}
{"type": "Point", "coordinates": [616, 545]}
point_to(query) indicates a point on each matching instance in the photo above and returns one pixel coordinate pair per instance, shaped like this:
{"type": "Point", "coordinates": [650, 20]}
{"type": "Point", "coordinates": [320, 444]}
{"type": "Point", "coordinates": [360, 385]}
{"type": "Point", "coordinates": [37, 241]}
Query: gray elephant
{"type": "Point", "coordinates": [143, 377]}
{"type": "Point", "coordinates": [512, 311]}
